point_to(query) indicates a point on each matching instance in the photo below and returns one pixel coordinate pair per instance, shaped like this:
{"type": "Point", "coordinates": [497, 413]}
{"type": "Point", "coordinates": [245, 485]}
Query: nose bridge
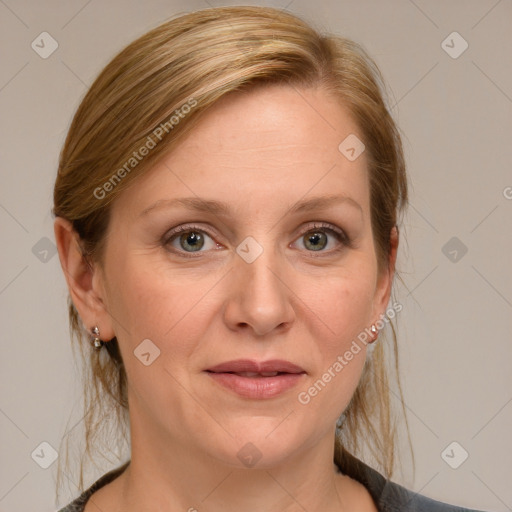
{"type": "Point", "coordinates": [259, 297]}
{"type": "Point", "coordinates": [260, 274]}
{"type": "Point", "coordinates": [258, 268]}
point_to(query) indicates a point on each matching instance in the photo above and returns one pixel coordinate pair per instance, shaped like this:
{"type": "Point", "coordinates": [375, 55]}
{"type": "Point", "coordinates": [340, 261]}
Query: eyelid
{"type": "Point", "coordinates": [327, 226]}
{"type": "Point", "coordinates": [183, 229]}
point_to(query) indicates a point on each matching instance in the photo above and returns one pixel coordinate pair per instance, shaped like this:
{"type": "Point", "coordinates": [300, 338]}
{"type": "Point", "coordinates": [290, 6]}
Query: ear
{"type": "Point", "coordinates": [84, 280]}
{"type": "Point", "coordinates": [385, 279]}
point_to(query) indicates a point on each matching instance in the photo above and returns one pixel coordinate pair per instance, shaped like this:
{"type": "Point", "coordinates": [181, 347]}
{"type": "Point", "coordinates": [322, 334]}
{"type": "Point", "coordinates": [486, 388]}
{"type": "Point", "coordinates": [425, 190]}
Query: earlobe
{"type": "Point", "coordinates": [79, 275]}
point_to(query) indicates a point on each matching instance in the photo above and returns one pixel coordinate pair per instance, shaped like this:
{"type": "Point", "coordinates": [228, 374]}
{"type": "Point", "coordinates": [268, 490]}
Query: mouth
{"type": "Point", "coordinates": [257, 380]}
{"type": "Point", "coordinates": [255, 374]}
{"type": "Point", "coordinates": [254, 368]}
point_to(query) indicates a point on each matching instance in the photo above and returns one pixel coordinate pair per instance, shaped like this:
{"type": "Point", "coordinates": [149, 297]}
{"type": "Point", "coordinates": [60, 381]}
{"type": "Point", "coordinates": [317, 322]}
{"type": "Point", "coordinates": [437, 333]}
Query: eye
{"type": "Point", "coordinates": [189, 239]}
{"type": "Point", "coordinates": [322, 236]}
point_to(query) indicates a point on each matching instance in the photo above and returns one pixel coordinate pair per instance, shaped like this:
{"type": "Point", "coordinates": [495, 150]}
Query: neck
{"type": "Point", "coordinates": [180, 477]}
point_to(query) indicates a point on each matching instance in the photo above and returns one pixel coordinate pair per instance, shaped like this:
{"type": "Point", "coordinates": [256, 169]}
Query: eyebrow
{"type": "Point", "coordinates": [222, 209]}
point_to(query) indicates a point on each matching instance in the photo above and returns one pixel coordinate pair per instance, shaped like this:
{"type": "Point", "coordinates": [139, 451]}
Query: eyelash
{"type": "Point", "coordinates": [323, 227]}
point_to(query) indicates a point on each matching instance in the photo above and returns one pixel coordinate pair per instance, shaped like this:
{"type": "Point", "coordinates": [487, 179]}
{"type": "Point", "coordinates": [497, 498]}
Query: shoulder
{"type": "Point", "coordinates": [78, 505]}
{"type": "Point", "coordinates": [75, 506]}
{"type": "Point", "coordinates": [395, 498]}
{"type": "Point", "coordinates": [355, 495]}
{"type": "Point", "coordinates": [390, 496]}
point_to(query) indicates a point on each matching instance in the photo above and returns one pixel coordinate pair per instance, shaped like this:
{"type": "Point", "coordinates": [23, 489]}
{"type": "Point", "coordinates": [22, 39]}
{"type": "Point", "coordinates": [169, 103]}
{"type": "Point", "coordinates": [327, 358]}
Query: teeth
{"type": "Point", "coordinates": [255, 374]}
{"type": "Point", "coordinates": [248, 374]}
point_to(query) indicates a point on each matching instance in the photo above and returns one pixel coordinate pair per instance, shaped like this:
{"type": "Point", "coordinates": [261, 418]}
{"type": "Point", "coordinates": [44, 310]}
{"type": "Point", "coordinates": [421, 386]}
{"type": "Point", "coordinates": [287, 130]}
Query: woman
{"type": "Point", "coordinates": [227, 209]}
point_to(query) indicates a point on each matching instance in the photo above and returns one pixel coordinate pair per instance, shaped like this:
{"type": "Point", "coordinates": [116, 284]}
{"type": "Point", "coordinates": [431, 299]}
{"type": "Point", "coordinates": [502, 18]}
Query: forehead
{"type": "Point", "coordinates": [273, 118]}
{"type": "Point", "coordinates": [269, 143]}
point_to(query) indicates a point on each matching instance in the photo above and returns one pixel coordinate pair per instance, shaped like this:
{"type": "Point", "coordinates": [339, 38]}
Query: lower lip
{"type": "Point", "coordinates": [257, 387]}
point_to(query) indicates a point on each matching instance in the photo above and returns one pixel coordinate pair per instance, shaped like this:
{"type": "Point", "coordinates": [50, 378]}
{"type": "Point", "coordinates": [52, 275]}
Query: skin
{"type": "Point", "coordinates": [258, 152]}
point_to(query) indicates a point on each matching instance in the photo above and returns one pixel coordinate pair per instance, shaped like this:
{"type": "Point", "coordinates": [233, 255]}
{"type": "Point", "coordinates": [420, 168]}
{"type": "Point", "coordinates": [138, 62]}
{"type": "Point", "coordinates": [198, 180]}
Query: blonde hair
{"type": "Point", "coordinates": [195, 60]}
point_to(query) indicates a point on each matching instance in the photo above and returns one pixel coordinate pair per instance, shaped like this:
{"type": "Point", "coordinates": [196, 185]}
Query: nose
{"type": "Point", "coordinates": [258, 296]}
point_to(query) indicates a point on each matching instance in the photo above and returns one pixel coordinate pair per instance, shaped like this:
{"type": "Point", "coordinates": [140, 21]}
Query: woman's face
{"type": "Point", "coordinates": [247, 279]}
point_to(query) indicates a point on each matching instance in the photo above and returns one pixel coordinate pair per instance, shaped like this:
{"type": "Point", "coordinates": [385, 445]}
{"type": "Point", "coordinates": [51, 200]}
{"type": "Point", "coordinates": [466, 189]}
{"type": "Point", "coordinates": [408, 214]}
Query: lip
{"type": "Point", "coordinates": [248, 365]}
{"type": "Point", "coordinates": [257, 387]}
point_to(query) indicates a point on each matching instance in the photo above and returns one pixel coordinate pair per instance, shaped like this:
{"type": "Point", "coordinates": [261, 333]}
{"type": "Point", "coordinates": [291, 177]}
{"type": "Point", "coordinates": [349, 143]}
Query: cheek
{"type": "Point", "coordinates": [147, 302]}
{"type": "Point", "coordinates": [170, 309]}
{"type": "Point", "coordinates": [344, 305]}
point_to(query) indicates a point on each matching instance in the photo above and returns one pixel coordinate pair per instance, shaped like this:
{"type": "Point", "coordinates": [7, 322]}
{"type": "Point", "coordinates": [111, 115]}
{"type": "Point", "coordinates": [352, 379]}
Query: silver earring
{"type": "Point", "coordinates": [374, 332]}
{"type": "Point", "coordinates": [96, 342]}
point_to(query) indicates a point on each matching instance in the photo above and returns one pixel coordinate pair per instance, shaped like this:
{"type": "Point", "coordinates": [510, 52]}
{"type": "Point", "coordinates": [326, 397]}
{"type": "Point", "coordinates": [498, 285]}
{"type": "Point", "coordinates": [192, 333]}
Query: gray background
{"type": "Point", "coordinates": [455, 329]}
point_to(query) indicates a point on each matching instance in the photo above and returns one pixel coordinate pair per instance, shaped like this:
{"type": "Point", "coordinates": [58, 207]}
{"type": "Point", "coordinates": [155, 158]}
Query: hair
{"type": "Point", "coordinates": [163, 82]}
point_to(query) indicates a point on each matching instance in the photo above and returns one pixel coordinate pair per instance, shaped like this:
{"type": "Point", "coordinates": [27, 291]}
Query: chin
{"type": "Point", "coordinates": [259, 447]}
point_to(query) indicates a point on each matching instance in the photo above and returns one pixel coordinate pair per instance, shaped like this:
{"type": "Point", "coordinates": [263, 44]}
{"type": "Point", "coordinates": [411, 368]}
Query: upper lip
{"type": "Point", "coordinates": [247, 365]}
